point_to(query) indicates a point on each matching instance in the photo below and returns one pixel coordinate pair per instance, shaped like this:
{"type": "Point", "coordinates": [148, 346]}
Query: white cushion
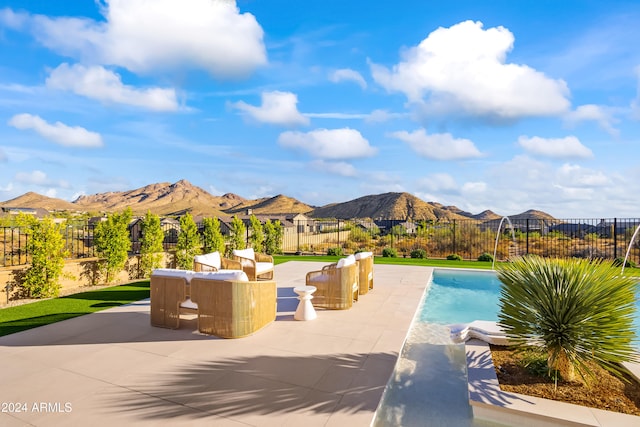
{"type": "Point", "coordinates": [263, 267]}
{"type": "Point", "coordinates": [172, 272]}
{"type": "Point", "coordinates": [344, 262]}
{"type": "Point", "coordinates": [189, 304]}
{"type": "Point", "coordinates": [245, 253]}
{"type": "Point", "coordinates": [238, 275]}
{"type": "Point", "coordinates": [212, 259]}
{"type": "Point", "coordinates": [362, 255]}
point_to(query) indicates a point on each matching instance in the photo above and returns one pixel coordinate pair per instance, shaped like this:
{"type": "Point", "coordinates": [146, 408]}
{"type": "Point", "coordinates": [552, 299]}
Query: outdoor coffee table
{"type": "Point", "coordinates": [305, 310]}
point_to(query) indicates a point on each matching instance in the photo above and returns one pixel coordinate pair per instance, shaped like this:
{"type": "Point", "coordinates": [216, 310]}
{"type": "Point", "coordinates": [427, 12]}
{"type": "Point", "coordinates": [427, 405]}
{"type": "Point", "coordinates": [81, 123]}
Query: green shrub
{"type": "Point", "coordinates": [337, 251]}
{"type": "Point", "coordinates": [454, 257]}
{"type": "Point", "coordinates": [618, 263]}
{"type": "Point", "coordinates": [577, 310]}
{"type": "Point", "coordinates": [419, 253]}
{"type": "Point", "coordinates": [486, 257]}
{"type": "Point", "coordinates": [389, 253]}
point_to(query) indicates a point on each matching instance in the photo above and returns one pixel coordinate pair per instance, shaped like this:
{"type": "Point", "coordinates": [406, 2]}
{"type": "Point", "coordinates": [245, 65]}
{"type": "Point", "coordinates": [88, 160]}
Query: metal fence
{"type": "Point", "coordinates": [607, 238]}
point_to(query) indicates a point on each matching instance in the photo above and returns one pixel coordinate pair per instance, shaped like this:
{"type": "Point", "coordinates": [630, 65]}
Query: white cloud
{"type": "Point", "coordinates": [104, 85]}
{"type": "Point", "coordinates": [39, 178]}
{"type": "Point", "coordinates": [347, 74]}
{"type": "Point", "coordinates": [337, 168]}
{"type": "Point", "coordinates": [147, 36]}
{"type": "Point", "coordinates": [334, 144]}
{"type": "Point", "coordinates": [3, 156]}
{"type": "Point", "coordinates": [463, 69]}
{"type": "Point", "coordinates": [11, 19]}
{"type": "Point", "coordinates": [567, 147]}
{"type": "Point", "coordinates": [635, 104]}
{"type": "Point", "coordinates": [279, 108]}
{"type": "Point", "coordinates": [379, 116]}
{"type": "Point", "coordinates": [439, 146]}
{"type": "Point", "coordinates": [438, 182]}
{"type": "Point", "coordinates": [596, 113]}
{"type": "Point", "coordinates": [58, 132]}
{"type": "Point", "coordinates": [474, 187]}
{"type": "Point", "coordinates": [576, 176]}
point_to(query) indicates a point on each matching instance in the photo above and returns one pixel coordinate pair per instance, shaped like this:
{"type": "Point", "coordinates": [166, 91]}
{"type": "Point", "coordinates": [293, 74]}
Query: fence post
{"type": "Point", "coordinates": [298, 235]}
{"type": "Point", "coordinates": [527, 225]}
{"type": "Point", "coordinates": [454, 237]}
{"type": "Point", "coordinates": [339, 233]}
{"type": "Point", "coordinates": [615, 238]}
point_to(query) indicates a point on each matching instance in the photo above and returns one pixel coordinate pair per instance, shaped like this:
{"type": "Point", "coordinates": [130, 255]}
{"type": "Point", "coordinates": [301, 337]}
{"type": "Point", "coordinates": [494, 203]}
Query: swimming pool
{"type": "Point", "coordinates": [429, 385]}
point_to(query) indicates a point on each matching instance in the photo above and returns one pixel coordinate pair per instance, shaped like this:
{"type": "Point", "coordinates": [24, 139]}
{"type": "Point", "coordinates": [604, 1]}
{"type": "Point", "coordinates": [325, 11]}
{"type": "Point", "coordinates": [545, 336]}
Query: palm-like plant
{"type": "Point", "coordinates": [576, 309]}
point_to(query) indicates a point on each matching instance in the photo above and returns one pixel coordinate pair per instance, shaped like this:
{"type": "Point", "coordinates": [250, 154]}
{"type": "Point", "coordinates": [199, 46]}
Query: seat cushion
{"type": "Point", "coordinates": [263, 267]}
{"type": "Point", "coordinates": [245, 253]}
{"type": "Point", "coordinates": [362, 255]}
{"type": "Point", "coordinates": [189, 304]}
{"type": "Point", "coordinates": [238, 275]}
{"type": "Point", "coordinates": [212, 259]}
{"type": "Point", "coordinates": [172, 272]}
{"type": "Point", "coordinates": [344, 262]}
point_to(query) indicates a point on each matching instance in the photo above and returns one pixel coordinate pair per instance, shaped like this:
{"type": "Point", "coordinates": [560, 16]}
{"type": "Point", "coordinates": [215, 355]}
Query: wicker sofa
{"type": "Point", "coordinates": [365, 271]}
{"type": "Point", "coordinates": [336, 284]}
{"type": "Point", "coordinates": [227, 304]}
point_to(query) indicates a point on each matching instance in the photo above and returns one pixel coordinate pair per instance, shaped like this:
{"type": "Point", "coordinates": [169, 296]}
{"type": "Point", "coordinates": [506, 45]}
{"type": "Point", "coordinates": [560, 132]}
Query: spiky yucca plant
{"type": "Point", "coordinates": [577, 310]}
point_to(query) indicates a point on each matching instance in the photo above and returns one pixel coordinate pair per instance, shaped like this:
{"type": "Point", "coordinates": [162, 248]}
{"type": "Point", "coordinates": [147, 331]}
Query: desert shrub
{"type": "Point", "coordinates": [419, 253]}
{"type": "Point", "coordinates": [112, 242]}
{"type": "Point", "coordinates": [46, 246]}
{"type": "Point", "coordinates": [389, 253]}
{"type": "Point", "coordinates": [151, 249]}
{"type": "Point", "coordinates": [454, 257]}
{"type": "Point", "coordinates": [576, 310]}
{"type": "Point", "coordinates": [188, 245]}
{"type": "Point", "coordinates": [618, 263]}
{"type": "Point", "coordinates": [337, 251]}
{"type": "Point", "coordinates": [486, 257]}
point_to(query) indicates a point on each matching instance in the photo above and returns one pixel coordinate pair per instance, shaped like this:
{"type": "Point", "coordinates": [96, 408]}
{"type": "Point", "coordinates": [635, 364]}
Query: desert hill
{"type": "Point", "coordinates": [174, 199]}
{"type": "Point", "coordinates": [279, 204]}
{"type": "Point", "coordinates": [35, 200]}
{"type": "Point", "coordinates": [386, 206]}
{"type": "Point", "coordinates": [161, 199]}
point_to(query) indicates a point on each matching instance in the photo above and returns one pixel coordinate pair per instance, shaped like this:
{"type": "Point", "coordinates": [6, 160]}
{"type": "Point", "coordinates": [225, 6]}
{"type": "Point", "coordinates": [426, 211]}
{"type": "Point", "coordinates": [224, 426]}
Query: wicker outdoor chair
{"type": "Point", "coordinates": [233, 307]}
{"type": "Point", "coordinates": [168, 290]}
{"type": "Point", "coordinates": [336, 284]}
{"type": "Point", "coordinates": [256, 265]}
{"type": "Point", "coordinates": [365, 271]}
{"type": "Point", "coordinates": [214, 262]}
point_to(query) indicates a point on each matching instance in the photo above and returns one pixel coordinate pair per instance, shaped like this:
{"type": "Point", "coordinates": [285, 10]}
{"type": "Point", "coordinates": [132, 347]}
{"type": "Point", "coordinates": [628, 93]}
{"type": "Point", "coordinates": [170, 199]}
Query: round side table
{"type": "Point", "coordinates": [305, 310]}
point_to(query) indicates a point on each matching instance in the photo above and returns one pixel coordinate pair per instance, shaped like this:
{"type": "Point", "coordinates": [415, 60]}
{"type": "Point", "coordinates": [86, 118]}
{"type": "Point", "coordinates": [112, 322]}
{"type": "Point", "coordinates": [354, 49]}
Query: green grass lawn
{"type": "Point", "coordinates": [39, 313]}
{"type": "Point", "coordinates": [32, 315]}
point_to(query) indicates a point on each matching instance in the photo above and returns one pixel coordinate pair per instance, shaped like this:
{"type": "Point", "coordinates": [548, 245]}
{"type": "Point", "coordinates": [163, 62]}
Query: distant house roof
{"type": "Point", "coordinates": [15, 210]}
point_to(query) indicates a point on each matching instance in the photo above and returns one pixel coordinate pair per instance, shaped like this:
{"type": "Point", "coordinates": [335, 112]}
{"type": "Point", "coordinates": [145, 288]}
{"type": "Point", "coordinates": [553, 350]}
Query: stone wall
{"type": "Point", "coordinates": [76, 274]}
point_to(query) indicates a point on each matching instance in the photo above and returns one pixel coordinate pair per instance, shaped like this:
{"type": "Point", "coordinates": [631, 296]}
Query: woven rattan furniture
{"type": "Point", "coordinates": [235, 307]}
{"type": "Point", "coordinates": [214, 262]}
{"type": "Point", "coordinates": [168, 290]}
{"type": "Point", "coordinates": [336, 284]}
{"type": "Point", "coordinates": [365, 271]}
{"type": "Point", "coordinates": [256, 265]}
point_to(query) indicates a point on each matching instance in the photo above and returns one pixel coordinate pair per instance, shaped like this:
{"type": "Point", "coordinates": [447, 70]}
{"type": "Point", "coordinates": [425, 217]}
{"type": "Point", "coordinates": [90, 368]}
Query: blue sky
{"type": "Point", "coordinates": [502, 105]}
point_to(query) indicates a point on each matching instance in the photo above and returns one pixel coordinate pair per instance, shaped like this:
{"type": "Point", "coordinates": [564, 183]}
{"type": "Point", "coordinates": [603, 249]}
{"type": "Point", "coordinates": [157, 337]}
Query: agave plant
{"type": "Point", "coordinates": [575, 309]}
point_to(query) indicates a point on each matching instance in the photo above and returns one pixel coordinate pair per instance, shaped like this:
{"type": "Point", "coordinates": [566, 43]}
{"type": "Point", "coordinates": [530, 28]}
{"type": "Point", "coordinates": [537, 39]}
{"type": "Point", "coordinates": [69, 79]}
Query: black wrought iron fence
{"type": "Point", "coordinates": [584, 238]}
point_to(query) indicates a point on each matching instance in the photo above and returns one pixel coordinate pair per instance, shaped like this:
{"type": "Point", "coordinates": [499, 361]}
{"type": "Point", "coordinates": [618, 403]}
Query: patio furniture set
{"type": "Point", "coordinates": [236, 297]}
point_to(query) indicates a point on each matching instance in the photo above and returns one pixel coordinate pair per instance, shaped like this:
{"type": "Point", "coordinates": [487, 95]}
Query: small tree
{"type": "Point", "coordinates": [272, 237]}
{"type": "Point", "coordinates": [577, 310]}
{"type": "Point", "coordinates": [151, 249]}
{"type": "Point", "coordinates": [256, 238]}
{"type": "Point", "coordinates": [47, 249]}
{"type": "Point", "coordinates": [236, 235]}
{"type": "Point", "coordinates": [188, 245]}
{"type": "Point", "coordinates": [213, 240]}
{"type": "Point", "coordinates": [112, 242]}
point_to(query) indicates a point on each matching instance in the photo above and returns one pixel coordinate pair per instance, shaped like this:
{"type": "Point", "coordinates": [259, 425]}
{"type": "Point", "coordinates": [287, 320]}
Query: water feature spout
{"type": "Point", "coordinates": [629, 248]}
{"type": "Point", "coordinates": [513, 236]}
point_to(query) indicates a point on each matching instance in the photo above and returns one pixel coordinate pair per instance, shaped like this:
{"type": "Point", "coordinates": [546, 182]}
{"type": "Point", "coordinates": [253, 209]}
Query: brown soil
{"type": "Point", "coordinates": [604, 391]}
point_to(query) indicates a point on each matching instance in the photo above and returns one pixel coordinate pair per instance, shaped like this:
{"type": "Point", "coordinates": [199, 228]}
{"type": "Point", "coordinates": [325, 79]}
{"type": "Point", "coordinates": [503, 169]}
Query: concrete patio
{"type": "Point", "coordinates": [112, 367]}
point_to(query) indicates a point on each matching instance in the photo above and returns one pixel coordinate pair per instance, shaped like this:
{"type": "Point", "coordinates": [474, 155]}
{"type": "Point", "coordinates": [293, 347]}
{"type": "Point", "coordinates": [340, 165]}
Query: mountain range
{"type": "Point", "coordinates": [168, 199]}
